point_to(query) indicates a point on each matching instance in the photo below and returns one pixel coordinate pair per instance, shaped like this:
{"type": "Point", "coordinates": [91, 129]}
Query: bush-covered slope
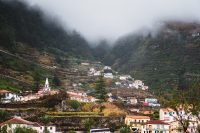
{"type": "Point", "coordinates": [30, 45]}
{"type": "Point", "coordinates": [172, 58]}
{"type": "Point", "coordinates": [20, 24]}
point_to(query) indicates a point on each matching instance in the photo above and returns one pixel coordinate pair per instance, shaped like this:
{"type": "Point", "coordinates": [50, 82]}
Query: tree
{"type": "Point", "coordinates": [178, 102]}
{"type": "Point", "coordinates": [193, 98]}
{"type": "Point", "coordinates": [45, 120]}
{"type": "Point", "coordinates": [88, 123]}
{"type": "Point", "coordinates": [3, 129]}
{"type": "Point", "coordinates": [125, 130]}
{"type": "Point", "coordinates": [56, 81]}
{"type": "Point", "coordinates": [24, 130]}
{"type": "Point", "coordinates": [3, 115]}
{"type": "Point", "coordinates": [72, 131]}
{"type": "Point", "coordinates": [74, 104]}
{"type": "Point", "coordinates": [100, 89]}
{"type": "Point", "coordinates": [36, 77]}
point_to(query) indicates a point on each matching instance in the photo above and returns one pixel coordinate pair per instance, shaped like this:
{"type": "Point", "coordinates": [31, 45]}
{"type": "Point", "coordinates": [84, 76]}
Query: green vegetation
{"type": "Point", "coordinates": [187, 100]}
{"type": "Point", "coordinates": [75, 104]}
{"type": "Point", "coordinates": [88, 123]}
{"type": "Point", "coordinates": [164, 61]}
{"type": "Point", "coordinates": [24, 130]}
{"type": "Point", "coordinates": [36, 32]}
{"type": "Point", "coordinates": [125, 130]}
{"type": "Point", "coordinates": [73, 113]}
{"type": "Point", "coordinates": [45, 120]}
{"type": "Point", "coordinates": [4, 115]}
{"type": "Point", "coordinates": [100, 89]}
{"type": "Point", "coordinates": [6, 85]}
{"type": "Point", "coordinates": [31, 46]}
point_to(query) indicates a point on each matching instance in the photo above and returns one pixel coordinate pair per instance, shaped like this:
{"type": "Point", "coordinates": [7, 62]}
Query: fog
{"type": "Point", "coordinates": [110, 19]}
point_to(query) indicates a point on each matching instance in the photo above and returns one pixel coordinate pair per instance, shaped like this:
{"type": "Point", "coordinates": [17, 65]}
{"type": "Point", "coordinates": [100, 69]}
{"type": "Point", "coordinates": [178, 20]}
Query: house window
{"type": "Point", "coordinates": [165, 113]}
{"type": "Point", "coordinates": [51, 128]}
{"type": "Point", "coordinates": [40, 128]}
{"type": "Point", "coordinates": [142, 121]}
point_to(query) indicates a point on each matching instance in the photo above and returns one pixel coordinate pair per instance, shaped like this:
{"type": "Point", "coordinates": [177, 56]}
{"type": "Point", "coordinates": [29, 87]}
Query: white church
{"type": "Point", "coordinates": [46, 90]}
{"type": "Point", "coordinates": [46, 87]}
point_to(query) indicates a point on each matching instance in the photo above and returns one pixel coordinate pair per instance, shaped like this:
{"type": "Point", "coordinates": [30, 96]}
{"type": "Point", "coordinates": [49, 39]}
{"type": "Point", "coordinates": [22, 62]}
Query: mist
{"type": "Point", "coordinates": [110, 19]}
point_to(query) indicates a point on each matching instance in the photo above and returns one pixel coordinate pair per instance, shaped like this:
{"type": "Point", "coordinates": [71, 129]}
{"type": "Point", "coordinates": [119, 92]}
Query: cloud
{"type": "Point", "coordinates": [110, 19]}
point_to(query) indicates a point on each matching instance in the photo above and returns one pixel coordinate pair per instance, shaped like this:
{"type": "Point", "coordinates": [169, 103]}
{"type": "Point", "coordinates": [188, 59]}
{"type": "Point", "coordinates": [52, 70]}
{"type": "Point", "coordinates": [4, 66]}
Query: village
{"type": "Point", "coordinates": [129, 103]}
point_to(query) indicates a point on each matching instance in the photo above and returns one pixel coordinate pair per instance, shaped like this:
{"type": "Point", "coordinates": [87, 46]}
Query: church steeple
{"type": "Point", "coordinates": [46, 86]}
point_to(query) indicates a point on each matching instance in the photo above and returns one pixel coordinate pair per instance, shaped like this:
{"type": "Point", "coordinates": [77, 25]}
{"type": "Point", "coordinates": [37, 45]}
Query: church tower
{"type": "Point", "coordinates": [46, 86]}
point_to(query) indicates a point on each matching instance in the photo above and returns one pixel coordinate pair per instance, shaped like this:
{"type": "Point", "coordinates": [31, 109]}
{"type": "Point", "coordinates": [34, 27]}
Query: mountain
{"type": "Point", "coordinates": [18, 23]}
{"type": "Point", "coordinates": [168, 59]}
{"type": "Point", "coordinates": [31, 45]}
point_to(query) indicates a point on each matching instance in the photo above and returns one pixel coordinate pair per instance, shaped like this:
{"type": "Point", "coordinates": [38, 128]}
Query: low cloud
{"type": "Point", "coordinates": [110, 19]}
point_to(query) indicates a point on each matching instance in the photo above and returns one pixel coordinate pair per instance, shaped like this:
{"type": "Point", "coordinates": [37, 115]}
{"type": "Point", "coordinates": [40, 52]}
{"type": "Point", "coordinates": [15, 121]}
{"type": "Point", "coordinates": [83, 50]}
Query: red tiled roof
{"type": "Point", "coordinates": [4, 91]}
{"type": "Point", "coordinates": [167, 109]}
{"type": "Point", "coordinates": [17, 120]}
{"type": "Point", "coordinates": [37, 124]}
{"type": "Point", "coordinates": [156, 122]}
{"type": "Point", "coordinates": [138, 117]}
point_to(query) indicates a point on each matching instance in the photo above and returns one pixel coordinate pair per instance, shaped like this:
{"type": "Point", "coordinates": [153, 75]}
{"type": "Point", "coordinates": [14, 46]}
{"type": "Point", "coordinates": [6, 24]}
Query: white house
{"type": "Point", "coordinates": [132, 100]}
{"type": "Point", "coordinates": [93, 72]}
{"type": "Point", "coordinates": [85, 63]}
{"type": "Point", "coordinates": [138, 84]}
{"type": "Point", "coordinates": [97, 73]}
{"type": "Point", "coordinates": [16, 122]}
{"type": "Point", "coordinates": [145, 87]}
{"type": "Point", "coordinates": [19, 122]}
{"type": "Point", "coordinates": [167, 115]}
{"type": "Point", "coordinates": [108, 75]}
{"type": "Point", "coordinates": [155, 126]}
{"type": "Point", "coordinates": [125, 77]}
{"type": "Point", "coordinates": [108, 72]}
{"type": "Point", "coordinates": [8, 96]}
{"type": "Point", "coordinates": [150, 100]}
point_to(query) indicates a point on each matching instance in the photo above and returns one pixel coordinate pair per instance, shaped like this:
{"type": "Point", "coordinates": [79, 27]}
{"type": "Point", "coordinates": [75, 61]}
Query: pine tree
{"type": "Point", "coordinates": [100, 88]}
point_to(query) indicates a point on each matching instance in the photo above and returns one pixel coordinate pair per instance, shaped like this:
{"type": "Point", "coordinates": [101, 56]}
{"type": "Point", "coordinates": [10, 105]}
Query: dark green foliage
{"type": "Point", "coordinates": [164, 61]}
{"type": "Point", "coordinates": [88, 123]}
{"type": "Point", "coordinates": [74, 104]}
{"type": "Point", "coordinates": [101, 50]}
{"type": "Point", "coordinates": [24, 130]}
{"type": "Point", "coordinates": [20, 24]}
{"type": "Point", "coordinates": [3, 129]}
{"type": "Point", "coordinates": [187, 100]}
{"type": "Point", "coordinates": [156, 115]}
{"type": "Point", "coordinates": [4, 115]}
{"type": "Point", "coordinates": [125, 130]}
{"type": "Point", "coordinates": [100, 89]}
{"type": "Point", "coordinates": [56, 81]}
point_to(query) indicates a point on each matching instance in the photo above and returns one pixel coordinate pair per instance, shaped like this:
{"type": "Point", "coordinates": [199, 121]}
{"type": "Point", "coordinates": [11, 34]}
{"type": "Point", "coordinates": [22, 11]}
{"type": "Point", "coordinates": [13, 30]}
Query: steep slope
{"type": "Point", "coordinates": [172, 58]}
{"type": "Point", "coordinates": [31, 47]}
{"type": "Point", "coordinates": [20, 24]}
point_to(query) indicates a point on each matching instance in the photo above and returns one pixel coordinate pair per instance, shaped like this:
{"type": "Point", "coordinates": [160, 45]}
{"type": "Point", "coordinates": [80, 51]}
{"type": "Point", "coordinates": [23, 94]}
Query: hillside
{"type": "Point", "coordinates": [169, 59]}
{"type": "Point", "coordinates": [31, 47]}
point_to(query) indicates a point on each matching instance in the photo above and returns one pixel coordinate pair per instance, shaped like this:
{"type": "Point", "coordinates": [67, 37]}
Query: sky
{"type": "Point", "coordinates": [111, 19]}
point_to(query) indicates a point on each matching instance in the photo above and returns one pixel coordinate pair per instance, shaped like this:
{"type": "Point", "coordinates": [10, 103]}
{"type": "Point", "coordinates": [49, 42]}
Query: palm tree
{"type": "Point", "coordinates": [88, 123]}
{"type": "Point", "coordinates": [45, 120]}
